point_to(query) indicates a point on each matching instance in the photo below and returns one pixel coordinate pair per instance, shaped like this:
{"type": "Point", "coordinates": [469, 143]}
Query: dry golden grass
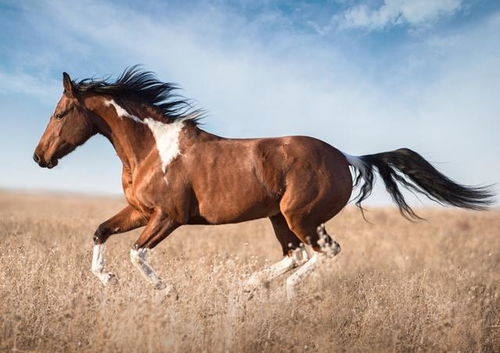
{"type": "Point", "coordinates": [396, 287]}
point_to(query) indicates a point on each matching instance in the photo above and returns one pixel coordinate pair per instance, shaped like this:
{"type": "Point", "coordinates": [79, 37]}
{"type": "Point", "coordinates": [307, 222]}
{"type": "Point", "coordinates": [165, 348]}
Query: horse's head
{"type": "Point", "coordinates": [69, 127]}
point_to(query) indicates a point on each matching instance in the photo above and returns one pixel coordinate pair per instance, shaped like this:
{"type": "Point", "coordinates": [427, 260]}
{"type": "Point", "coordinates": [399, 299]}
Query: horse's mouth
{"type": "Point", "coordinates": [52, 163]}
{"type": "Point", "coordinates": [42, 163]}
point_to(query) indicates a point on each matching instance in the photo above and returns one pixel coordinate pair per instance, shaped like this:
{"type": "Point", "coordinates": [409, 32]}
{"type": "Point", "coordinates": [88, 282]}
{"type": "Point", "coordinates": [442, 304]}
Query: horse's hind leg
{"type": "Point", "coordinates": [293, 252]}
{"type": "Point", "coordinates": [288, 240]}
{"type": "Point", "coordinates": [323, 245]}
{"type": "Point", "coordinates": [326, 244]}
{"type": "Point", "coordinates": [296, 278]}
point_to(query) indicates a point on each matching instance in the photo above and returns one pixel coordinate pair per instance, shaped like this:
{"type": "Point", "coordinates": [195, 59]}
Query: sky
{"type": "Point", "coordinates": [365, 76]}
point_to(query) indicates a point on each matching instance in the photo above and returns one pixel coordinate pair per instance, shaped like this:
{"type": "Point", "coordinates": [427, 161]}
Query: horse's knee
{"type": "Point", "coordinates": [140, 244]}
{"type": "Point", "coordinates": [102, 233]}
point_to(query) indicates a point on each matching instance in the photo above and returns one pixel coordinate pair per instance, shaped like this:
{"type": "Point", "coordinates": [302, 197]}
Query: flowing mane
{"type": "Point", "coordinates": [143, 86]}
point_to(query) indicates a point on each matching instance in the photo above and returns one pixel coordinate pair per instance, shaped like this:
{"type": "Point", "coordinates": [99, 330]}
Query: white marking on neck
{"type": "Point", "coordinates": [167, 139]}
{"type": "Point", "coordinates": [166, 135]}
{"type": "Point", "coordinates": [122, 113]}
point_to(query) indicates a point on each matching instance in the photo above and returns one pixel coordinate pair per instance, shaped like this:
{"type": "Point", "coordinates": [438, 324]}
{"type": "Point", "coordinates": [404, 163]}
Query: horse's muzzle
{"type": "Point", "coordinates": [42, 163]}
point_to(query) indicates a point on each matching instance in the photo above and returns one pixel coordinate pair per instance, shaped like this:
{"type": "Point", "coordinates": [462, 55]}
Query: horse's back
{"type": "Point", "coordinates": [250, 177]}
{"type": "Point", "coordinates": [305, 156]}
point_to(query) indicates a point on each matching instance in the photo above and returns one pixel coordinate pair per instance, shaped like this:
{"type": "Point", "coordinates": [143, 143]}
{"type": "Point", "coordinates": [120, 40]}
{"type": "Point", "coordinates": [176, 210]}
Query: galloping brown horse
{"type": "Point", "coordinates": [174, 173]}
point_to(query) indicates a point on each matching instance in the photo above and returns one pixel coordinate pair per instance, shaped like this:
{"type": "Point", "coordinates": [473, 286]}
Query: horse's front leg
{"type": "Point", "coordinates": [127, 219]}
{"type": "Point", "coordinates": [157, 229]}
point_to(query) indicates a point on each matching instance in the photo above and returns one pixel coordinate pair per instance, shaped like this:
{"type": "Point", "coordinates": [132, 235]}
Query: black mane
{"type": "Point", "coordinates": [140, 85]}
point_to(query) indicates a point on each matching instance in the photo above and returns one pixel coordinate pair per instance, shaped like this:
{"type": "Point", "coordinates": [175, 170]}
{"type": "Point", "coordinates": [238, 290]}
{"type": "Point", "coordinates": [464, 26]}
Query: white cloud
{"type": "Point", "coordinates": [397, 12]}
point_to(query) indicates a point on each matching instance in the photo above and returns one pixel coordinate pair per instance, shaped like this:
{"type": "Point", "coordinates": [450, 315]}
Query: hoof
{"type": "Point", "coordinates": [249, 295]}
{"type": "Point", "coordinates": [290, 293]}
{"type": "Point", "coordinates": [291, 288]}
{"type": "Point", "coordinates": [160, 286]}
{"type": "Point", "coordinates": [166, 291]}
{"type": "Point", "coordinates": [107, 278]}
{"type": "Point", "coordinates": [249, 292]}
{"type": "Point", "coordinates": [112, 279]}
{"type": "Point", "coordinates": [251, 284]}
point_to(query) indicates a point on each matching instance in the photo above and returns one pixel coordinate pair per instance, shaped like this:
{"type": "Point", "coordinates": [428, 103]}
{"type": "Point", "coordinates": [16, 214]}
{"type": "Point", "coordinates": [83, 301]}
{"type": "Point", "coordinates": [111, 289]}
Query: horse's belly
{"type": "Point", "coordinates": [236, 201]}
{"type": "Point", "coordinates": [234, 213]}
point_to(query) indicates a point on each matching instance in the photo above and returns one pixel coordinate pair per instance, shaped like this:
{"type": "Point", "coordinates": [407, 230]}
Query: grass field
{"type": "Point", "coordinates": [397, 286]}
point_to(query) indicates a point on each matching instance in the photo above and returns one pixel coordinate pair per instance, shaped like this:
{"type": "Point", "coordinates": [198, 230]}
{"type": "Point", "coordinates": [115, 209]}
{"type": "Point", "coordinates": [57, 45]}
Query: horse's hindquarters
{"type": "Point", "coordinates": [240, 180]}
{"type": "Point", "coordinates": [318, 186]}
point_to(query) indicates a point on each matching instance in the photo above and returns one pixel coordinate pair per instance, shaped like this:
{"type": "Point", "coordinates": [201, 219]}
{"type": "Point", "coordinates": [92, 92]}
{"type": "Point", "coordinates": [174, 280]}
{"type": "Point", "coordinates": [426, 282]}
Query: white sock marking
{"type": "Point", "coordinates": [166, 135]}
{"type": "Point", "coordinates": [138, 258]}
{"type": "Point", "coordinates": [286, 264]}
{"type": "Point", "coordinates": [302, 272]}
{"type": "Point", "coordinates": [98, 264]}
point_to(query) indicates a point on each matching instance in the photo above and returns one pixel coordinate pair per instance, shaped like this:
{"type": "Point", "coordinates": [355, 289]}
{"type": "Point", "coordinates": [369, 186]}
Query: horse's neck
{"type": "Point", "coordinates": [124, 126]}
{"type": "Point", "coordinates": [136, 131]}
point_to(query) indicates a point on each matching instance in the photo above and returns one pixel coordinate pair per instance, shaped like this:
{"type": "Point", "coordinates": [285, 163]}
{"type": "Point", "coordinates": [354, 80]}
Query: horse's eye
{"type": "Point", "coordinates": [59, 116]}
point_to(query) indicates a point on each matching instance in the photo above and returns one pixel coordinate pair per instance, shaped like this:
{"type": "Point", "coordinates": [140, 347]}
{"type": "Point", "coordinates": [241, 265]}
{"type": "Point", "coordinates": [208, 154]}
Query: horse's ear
{"type": "Point", "coordinates": [69, 88]}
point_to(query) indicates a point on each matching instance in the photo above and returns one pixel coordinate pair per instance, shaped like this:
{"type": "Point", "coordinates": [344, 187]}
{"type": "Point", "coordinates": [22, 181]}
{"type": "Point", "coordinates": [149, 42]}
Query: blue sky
{"type": "Point", "coordinates": [366, 76]}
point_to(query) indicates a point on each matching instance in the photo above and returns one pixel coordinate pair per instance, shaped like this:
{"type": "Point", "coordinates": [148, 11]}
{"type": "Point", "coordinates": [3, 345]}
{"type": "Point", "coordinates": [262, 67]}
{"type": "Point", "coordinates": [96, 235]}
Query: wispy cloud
{"type": "Point", "coordinates": [28, 85]}
{"type": "Point", "coordinates": [397, 12]}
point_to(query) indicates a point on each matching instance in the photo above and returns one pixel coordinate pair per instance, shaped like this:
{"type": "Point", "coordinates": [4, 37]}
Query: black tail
{"type": "Point", "coordinates": [413, 172]}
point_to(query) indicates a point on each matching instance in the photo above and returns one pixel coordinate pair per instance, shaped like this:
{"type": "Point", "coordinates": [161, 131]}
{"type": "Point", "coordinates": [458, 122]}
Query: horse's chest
{"type": "Point", "coordinates": [137, 193]}
{"type": "Point", "coordinates": [133, 200]}
{"type": "Point", "coordinates": [131, 196]}
{"type": "Point", "coordinates": [149, 189]}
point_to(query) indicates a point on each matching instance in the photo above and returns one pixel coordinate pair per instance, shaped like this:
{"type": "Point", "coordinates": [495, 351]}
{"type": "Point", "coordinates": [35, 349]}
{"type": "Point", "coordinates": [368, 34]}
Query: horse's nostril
{"type": "Point", "coordinates": [36, 158]}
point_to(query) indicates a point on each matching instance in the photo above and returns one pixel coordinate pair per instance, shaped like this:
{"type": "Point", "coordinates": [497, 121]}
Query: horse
{"type": "Point", "coordinates": [175, 173]}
